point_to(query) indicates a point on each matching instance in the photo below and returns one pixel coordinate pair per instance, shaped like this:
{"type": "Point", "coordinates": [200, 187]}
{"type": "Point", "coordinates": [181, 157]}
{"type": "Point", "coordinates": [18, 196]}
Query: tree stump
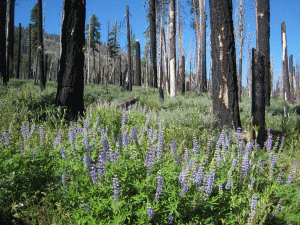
{"type": "Point", "coordinates": [127, 102]}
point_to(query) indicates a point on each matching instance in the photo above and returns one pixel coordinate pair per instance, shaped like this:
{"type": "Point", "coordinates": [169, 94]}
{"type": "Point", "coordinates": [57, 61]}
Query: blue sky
{"type": "Point", "coordinates": [288, 10]}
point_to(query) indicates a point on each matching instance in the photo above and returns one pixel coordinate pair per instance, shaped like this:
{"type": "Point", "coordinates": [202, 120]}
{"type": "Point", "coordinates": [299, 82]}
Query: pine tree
{"type": "Point", "coordinates": [113, 43]}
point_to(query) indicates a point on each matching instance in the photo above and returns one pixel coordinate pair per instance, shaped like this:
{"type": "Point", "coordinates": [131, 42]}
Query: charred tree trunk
{"type": "Point", "coordinates": [41, 46]}
{"type": "Point", "coordinates": [224, 78]}
{"type": "Point", "coordinates": [291, 70]}
{"type": "Point", "coordinates": [129, 51]}
{"type": "Point", "coordinates": [120, 69]}
{"type": "Point", "coordinates": [19, 52]}
{"type": "Point", "coordinates": [172, 50]}
{"type": "Point", "coordinates": [11, 38]}
{"type": "Point", "coordinates": [3, 41]}
{"type": "Point", "coordinates": [153, 70]}
{"type": "Point", "coordinates": [29, 54]}
{"type": "Point", "coordinates": [263, 40]}
{"type": "Point", "coordinates": [286, 83]}
{"type": "Point", "coordinates": [258, 93]}
{"type": "Point", "coordinates": [202, 7]}
{"type": "Point", "coordinates": [182, 73]}
{"type": "Point", "coordinates": [138, 64]}
{"type": "Point", "coordinates": [70, 77]}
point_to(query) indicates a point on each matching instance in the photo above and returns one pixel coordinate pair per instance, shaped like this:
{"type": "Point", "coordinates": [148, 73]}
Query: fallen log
{"type": "Point", "coordinates": [127, 102]}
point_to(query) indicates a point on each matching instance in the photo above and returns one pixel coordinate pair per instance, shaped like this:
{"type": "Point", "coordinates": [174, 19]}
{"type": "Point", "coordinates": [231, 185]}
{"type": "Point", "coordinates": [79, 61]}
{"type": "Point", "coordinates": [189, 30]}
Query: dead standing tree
{"type": "Point", "coordinates": [263, 40]}
{"type": "Point", "coordinates": [70, 77]}
{"type": "Point", "coordinates": [291, 70]}
{"type": "Point", "coordinates": [10, 40]}
{"type": "Point", "coordinates": [128, 51]}
{"type": "Point", "coordinates": [153, 58]}
{"type": "Point", "coordinates": [3, 41]}
{"type": "Point", "coordinates": [19, 52]}
{"type": "Point", "coordinates": [41, 46]}
{"type": "Point", "coordinates": [286, 83]}
{"type": "Point", "coordinates": [172, 50]}
{"type": "Point", "coordinates": [224, 78]}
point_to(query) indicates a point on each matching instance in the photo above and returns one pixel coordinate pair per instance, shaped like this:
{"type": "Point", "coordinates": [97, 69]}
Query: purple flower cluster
{"type": "Point", "coordinates": [100, 166]}
{"type": "Point", "coordinates": [170, 219]}
{"type": "Point", "coordinates": [195, 146]}
{"type": "Point", "coordinates": [42, 135]}
{"type": "Point", "coordinates": [160, 188]}
{"type": "Point", "coordinates": [279, 178]}
{"type": "Point", "coordinates": [57, 142]}
{"type": "Point", "coordinates": [293, 175]}
{"type": "Point", "coordinates": [245, 163]}
{"type": "Point", "coordinates": [34, 152]}
{"type": "Point", "coordinates": [72, 136]}
{"type": "Point", "coordinates": [150, 158]}
{"type": "Point", "coordinates": [173, 147]}
{"type": "Point", "coordinates": [26, 134]}
{"type": "Point", "coordinates": [269, 142]}
{"type": "Point", "coordinates": [186, 154]}
{"type": "Point", "coordinates": [86, 139]}
{"type": "Point", "coordinates": [160, 143]}
{"type": "Point", "coordinates": [274, 157]}
{"type": "Point", "coordinates": [134, 132]}
{"type": "Point", "coordinates": [120, 143]}
{"type": "Point", "coordinates": [63, 153]}
{"type": "Point", "coordinates": [123, 120]}
{"type": "Point", "coordinates": [199, 175]}
{"type": "Point", "coordinates": [183, 175]}
{"type": "Point", "coordinates": [278, 209]}
{"type": "Point", "coordinates": [210, 182]}
{"type": "Point", "coordinates": [116, 189]}
{"type": "Point", "coordinates": [93, 173]}
{"type": "Point", "coordinates": [150, 212]}
{"type": "Point", "coordinates": [254, 201]}
{"type": "Point", "coordinates": [229, 183]}
{"type": "Point", "coordinates": [185, 189]}
{"type": "Point", "coordinates": [6, 139]}
{"type": "Point", "coordinates": [220, 187]}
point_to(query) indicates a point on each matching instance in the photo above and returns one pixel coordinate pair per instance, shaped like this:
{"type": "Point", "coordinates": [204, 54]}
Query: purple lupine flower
{"type": "Point", "coordinates": [93, 174]}
{"type": "Point", "coordinates": [186, 154]}
{"type": "Point", "coordinates": [195, 146]}
{"type": "Point", "coordinates": [84, 207]}
{"type": "Point", "coordinates": [273, 160]}
{"type": "Point", "coordinates": [120, 143]}
{"type": "Point", "coordinates": [183, 175]}
{"type": "Point", "coordinates": [6, 139]}
{"type": "Point", "coordinates": [25, 131]}
{"type": "Point", "coordinates": [32, 129]}
{"type": "Point", "coordinates": [154, 135]}
{"type": "Point", "coordinates": [87, 158]}
{"type": "Point", "coordinates": [125, 139]}
{"type": "Point", "coordinates": [57, 142]}
{"type": "Point", "coordinates": [269, 142]}
{"type": "Point", "coordinates": [87, 123]}
{"type": "Point", "coordinates": [116, 189]}
{"type": "Point", "coordinates": [72, 136]}
{"type": "Point", "coordinates": [279, 178]}
{"type": "Point", "coordinates": [245, 163]}
{"type": "Point", "coordinates": [254, 200]}
{"type": "Point", "coordinates": [79, 130]}
{"type": "Point", "coordinates": [100, 166]}
{"type": "Point", "coordinates": [34, 152]}
{"type": "Point", "coordinates": [63, 178]}
{"type": "Point", "coordinates": [220, 187]}
{"type": "Point", "coordinates": [170, 219]}
{"type": "Point", "coordinates": [240, 148]}
{"type": "Point", "coordinates": [210, 182]}
{"type": "Point", "coordinates": [97, 121]}
{"type": "Point", "coordinates": [290, 179]}
{"type": "Point", "coordinates": [105, 145]}
{"type": "Point", "coordinates": [144, 109]}
{"type": "Point", "coordinates": [263, 163]}
{"type": "Point", "coordinates": [63, 153]}
{"type": "Point", "coordinates": [160, 143]}
{"type": "Point", "coordinates": [150, 159]}
{"type": "Point", "coordinates": [191, 164]}
{"type": "Point", "coordinates": [148, 118]}
{"type": "Point", "coordinates": [160, 188]}
{"type": "Point", "coordinates": [150, 133]}
{"type": "Point", "coordinates": [173, 147]}
{"type": "Point", "coordinates": [199, 174]}
{"type": "Point", "coordinates": [150, 212]}
{"type": "Point", "coordinates": [134, 133]}
{"type": "Point", "coordinates": [228, 184]}
{"type": "Point", "coordinates": [278, 209]}
{"type": "Point", "coordinates": [178, 159]}
{"type": "Point", "coordinates": [233, 164]}
{"type": "Point", "coordinates": [238, 135]}
{"type": "Point", "coordinates": [42, 136]}
{"type": "Point", "coordinates": [21, 146]}
{"type": "Point", "coordinates": [208, 146]}
{"type": "Point", "coordinates": [185, 189]}
{"type": "Point", "coordinates": [123, 120]}
{"type": "Point", "coordinates": [86, 139]}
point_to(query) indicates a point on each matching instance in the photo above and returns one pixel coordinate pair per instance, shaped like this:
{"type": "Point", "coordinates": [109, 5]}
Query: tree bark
{"type": "Point", "coordinates": [3, 41]}
{"type": "Point", "coordinates": [291, 70]}
{"type": "Point", "coordinates": [11, 38]}
{"type": "Point", "coordinates": [258, 93]}
{"type": "Point", "coordinates": [120, 68]}
{"type": "Point", "coordinates": [19, 52]}
{"type": "Point", "coordinates": [70, 78]}
{"type": "Point", "coordinates": [129, 51]}
{"type": "Point", "coordinates": [286, 83]}
{"type": "Point", "coordinates": [172, 50]}
{"type": "Point", "coordinates": [224, 78]}
{"type": "Point", "coordinates": [153, 58]}
{"type": "Point", "coordinates": [41, 46]}
{"type": "Point", "coordinates": [29, 54]}
{"type": "Point", "coordinates": [138, 64]}
{"type": "Point", "coordinates": [263, 40]}
{"type": "Point", "coordinates": [182, 72]}
{"type": "Point", "coordinates": [202, 7]}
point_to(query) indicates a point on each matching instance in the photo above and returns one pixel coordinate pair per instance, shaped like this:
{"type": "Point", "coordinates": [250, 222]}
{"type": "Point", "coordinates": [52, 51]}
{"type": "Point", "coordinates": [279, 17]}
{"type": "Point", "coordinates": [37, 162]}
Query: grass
{"type": "Point", "coordinates": [154, 163]}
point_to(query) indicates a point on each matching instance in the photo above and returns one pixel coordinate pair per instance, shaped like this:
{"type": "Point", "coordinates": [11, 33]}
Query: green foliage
{"type": "Point", "coordinates": [113, 43]}
{"type": "Point", "coordinates": [93, 32]}
{"type": "Point", "coordinates": [46, 177]}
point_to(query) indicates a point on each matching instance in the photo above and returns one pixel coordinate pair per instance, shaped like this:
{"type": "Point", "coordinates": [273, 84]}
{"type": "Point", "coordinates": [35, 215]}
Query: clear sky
{"type": "Point", "coordinates": [288, 10]}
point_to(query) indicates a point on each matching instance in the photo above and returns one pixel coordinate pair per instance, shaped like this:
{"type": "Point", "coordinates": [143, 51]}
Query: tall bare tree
{"type": "Point", "coordinates": [202, 9]}
{"type": "Point", "coordinates": [286, 83]}
{"type": "Point", "coordinates": [240, 36]}
{"type": "Point", "coordinates": [29, 53]}
{"type": "Point", "coordinates": [10, 39]}
{"type": "Point", "coordinates": [70, 78]}
{"type": "Point", "coordinates": [172, 50]}
{"type": "Point", "coordinates": [129, 50]}
{"type": "Point", "coordinates": [41, 46]}
{"type": "Point", "coordinates": [153, 58]}
{"type": "Point", "coordinates": [19, 52]}
{"type": "Point", "coordinates": [262, 10]}
{"type": "Point", "coordinates": [138, 64]}
{"type": "Point", "coordinates": [291, 70]}
{"type": "Point", "coordinates": [224, 78]}
{"type": "Point", "coordinates": [3, 41]}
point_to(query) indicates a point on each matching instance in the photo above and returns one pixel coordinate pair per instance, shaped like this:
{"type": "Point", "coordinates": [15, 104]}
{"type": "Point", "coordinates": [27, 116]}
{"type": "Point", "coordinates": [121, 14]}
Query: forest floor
{"type": "Point", "coordinates": [155, 162]}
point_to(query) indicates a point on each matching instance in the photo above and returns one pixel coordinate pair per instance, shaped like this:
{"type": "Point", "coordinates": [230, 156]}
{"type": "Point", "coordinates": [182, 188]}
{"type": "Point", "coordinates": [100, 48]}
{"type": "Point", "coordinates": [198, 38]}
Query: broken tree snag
{"type": "Point", "coordinates": [224, 77]}
{"type": "Point", "coordinates": [291, 71]}
{"type": "Point", "coordinates": [127, 102]}
{"type": "Point", "coordinates": [286, 83]}
{"type": "Point", "coordinates": [258, 99]}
